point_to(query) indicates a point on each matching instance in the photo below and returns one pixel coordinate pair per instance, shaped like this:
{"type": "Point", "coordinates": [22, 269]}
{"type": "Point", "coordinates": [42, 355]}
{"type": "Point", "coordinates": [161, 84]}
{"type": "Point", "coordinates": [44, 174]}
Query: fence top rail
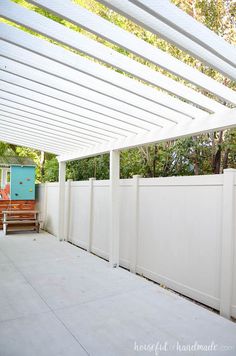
{"type": "Point", "coordinates": [216, 179]}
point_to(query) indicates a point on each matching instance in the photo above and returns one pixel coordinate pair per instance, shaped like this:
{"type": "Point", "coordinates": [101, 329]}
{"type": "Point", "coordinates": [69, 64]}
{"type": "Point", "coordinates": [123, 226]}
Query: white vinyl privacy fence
{"type": "Point", "coordinates": [177, 231]}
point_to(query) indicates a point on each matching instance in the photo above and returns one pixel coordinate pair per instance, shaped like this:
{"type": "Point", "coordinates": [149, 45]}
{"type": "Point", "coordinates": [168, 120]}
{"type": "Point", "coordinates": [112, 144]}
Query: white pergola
{"type": "Point", "coordinates": [54, 98]}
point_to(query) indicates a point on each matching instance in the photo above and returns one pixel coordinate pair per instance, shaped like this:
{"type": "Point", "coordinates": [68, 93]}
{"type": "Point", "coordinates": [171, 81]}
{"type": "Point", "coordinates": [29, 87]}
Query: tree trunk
{"type": "Point", "coordinates": [217, 156]}
{"type": "Point", "coordinates": [196, 167]}
{"type": "Point", "coordinates": [155, 160]}
{"type": "Point", "coordinates": [42, 161]}
{"type": "Point", "coordinates": [226, 159]}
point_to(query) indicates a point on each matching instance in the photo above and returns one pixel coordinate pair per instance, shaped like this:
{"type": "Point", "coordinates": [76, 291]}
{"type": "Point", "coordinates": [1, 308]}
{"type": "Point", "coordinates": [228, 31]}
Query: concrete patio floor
{"type": "Point", "coordinates": [56, 299]}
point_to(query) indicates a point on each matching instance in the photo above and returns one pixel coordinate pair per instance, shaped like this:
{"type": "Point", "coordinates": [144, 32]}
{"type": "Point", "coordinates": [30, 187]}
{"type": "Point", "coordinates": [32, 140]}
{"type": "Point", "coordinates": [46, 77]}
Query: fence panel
{"type": "Point", "coordinates": [101, 218]}
{"type": "Point", "coordinates": [170, 229]}
{"type": "Point", "coordinates": [79, 214]}
{"type": "Point", "coordinates": [179, 235]}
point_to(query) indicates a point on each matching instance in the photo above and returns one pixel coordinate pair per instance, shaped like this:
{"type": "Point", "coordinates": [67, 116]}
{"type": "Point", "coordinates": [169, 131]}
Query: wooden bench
{"type": "Point", "coordinates": [20, 220]}
{"type": "Point", "coordinates": [15, 205]}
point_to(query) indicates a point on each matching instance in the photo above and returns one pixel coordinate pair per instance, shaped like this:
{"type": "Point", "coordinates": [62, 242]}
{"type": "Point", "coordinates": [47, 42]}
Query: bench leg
{"type": "Point", "coordinates": [37, 227]}
{"type": "Point", "coordinates": [5, 229]}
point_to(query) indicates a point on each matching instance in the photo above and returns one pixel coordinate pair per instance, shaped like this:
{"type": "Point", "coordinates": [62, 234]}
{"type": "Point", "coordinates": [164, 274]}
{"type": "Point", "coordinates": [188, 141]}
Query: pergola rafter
{"type": "Point", "coordinates": [151, 120]}
{"type": "Point", "coordinates": [93, 108]}
{"type": "Point", "coordinates": [175, 26]}
{"type": "Point", "coordinates": [103, 28]}
{"type": "Point", "coordinates": [58, 54]}
{"type": "Point", "coordinates": [77, 41]}
{"type": "Point", "coordinates": [26, 77]}
{"type": "Point", "coordinates": [56, 99]}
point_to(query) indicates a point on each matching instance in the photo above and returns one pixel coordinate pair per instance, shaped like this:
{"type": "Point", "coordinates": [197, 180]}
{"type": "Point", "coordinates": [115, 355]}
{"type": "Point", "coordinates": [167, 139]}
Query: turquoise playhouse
{"type": "Point", "coordinates": [17, 178]}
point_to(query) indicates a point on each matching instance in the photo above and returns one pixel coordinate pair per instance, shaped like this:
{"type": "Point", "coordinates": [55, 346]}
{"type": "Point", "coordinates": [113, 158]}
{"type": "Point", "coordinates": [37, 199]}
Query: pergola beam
{"type": "Point", "coordinates": [60, 55]}
{"type": "Point", "coordinates": [191, 28]}
{"type": "Point", "coordinates": [44, 120]}
{"type": "Point", "coordinates": [79, 42]}
{"type": "Point", "coordinates": [210, 123]}
{"type": "Point", "coordinates": [67, 110]}
{"type": "Point", "coordinates": [54, 116]}
{"type": "Point", "coordinates": [147, 124]}
{"type": "Point", "coordinates": [29, 78]}
{"type": "Point", "coordinates": [16, 111]}
{"type": "Point", "coordinates": [88, 88]}
{"type": "Point", "coordinates": [32, 136]}
{"type": "Point", "coordinates": [17, 122]}
{"type": "Point", "coordinates": [14, 139]}
{"type": "Point", "coordinates": [180, 29]}
{"type": "Point", "coordinates": [103, 28]}
{"type": "Point", "coordinates": [114, 208]}
{"type": "Point", "coordinates": [61, 201]}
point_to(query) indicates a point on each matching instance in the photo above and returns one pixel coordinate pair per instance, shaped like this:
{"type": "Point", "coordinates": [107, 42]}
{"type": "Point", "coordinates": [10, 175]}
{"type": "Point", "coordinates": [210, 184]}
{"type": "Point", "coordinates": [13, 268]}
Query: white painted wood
{"type": "Point", "coordinates": [67, 110]}
{"type": "Point", "coordinates": [67, 209]}
{"type": "Point", "coordinates": [48, 50]}
{"type": "Point", "coordinates": [18, 122]}
{"type": "Point", "coordinates": [135, 225]}
{"type": "Point", "coordinates": [47, 120]}
{"type": "Point", "coordinates": [55, 117]}
{"type": "Point", "coordinates": [91, 215]}
{"type": "Point", "coordinates": [57, 89]}
{"type": "Point", "coordinates": [75, 40]}
{"type": "Point", "coordinates": [32, 136]}
{"type": "Point", "coordinates": [61, 202]}
{"type": "Point", "coordinates": [4, 177]}
{"type": "Point", "coordinates": [93, 94]}
{"type": "Point", "coordinates": [191, 28]}
{"type": "Point", "coordinates": [227, 243]}
{"type": "Point", "coordinates": [14, 139]}
{"type": "Point", "coordinates": [4, 225]}
{"type": "Point", "coordinates": [69, 137]}
{"type": "Point", "coordinates": [103, 28]}
{"type": "Point", "coordinates": [175, 26]}
{"type": "Point", "coordinates": [65, 97]}
{"type": "Point", "coordinates": [105, 122]}
{"type": "Point", "coordinates": [195, 127]}
{"type": "Point", "coordinates": [45, 205]}
{"type": "Point", "coordinates": [114, 235]}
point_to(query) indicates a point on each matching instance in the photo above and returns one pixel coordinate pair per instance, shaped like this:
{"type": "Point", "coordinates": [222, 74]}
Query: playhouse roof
{"type": "Point", "coordinates": [54, 99]}
{"type": "Point", "coordinates": [6, 161]}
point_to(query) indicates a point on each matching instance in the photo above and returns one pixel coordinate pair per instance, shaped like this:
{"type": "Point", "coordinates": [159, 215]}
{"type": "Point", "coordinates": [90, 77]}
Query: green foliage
{"type": "Point", "coordinates": [51, 170]}
{"type": "Point", "coordinates": [97, 167]}
{"type": "Point", "coordinates": [5, 149]}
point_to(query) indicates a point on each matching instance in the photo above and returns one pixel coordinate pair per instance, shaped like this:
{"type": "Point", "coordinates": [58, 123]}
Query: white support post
{"type": "Point", "coordinates": [134, 222]}
{"type": "Point", "coordinates": [62, 180]}
{"type": "Point", "coordinates": [4, 177]}
{"type": "Point", "coordinates": [45, 206]}
{"type": "Point", "coordinates": [90, 227]}
{"type": "Point", "coordinates": [114, 208]}
{"type": "Point", "coordinates": [227, 243]}
{"type": "Point", "coordinates": [67, 209]}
